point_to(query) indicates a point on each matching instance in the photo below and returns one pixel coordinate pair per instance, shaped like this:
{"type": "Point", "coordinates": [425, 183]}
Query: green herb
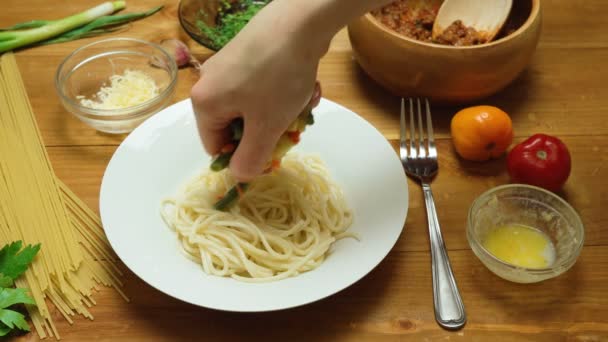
{"type": "Point", "coordinates": [92, 22]}
{"type": "Point", "coordinates": [231, 18]}
{"type": "Point", "coordinates": [13, 262]}
{"type": "Point", "coordinates": [5, 281]}
{"type": "Point", "coordinates": [10, 319]}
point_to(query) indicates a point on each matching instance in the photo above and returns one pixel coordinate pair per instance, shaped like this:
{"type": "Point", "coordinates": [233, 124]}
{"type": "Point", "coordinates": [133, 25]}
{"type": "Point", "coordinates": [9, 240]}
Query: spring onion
{"type": "Point", "coordinates": [92, 22]}
{"type": "Point", "coordinates": [101, 25]}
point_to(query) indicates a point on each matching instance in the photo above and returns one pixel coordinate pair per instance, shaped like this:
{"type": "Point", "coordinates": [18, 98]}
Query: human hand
{"type": "Point", "coordinates": [264, 77]}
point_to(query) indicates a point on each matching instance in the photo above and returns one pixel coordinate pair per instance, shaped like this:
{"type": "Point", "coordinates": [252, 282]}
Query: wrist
{"type": "Point", "coordinates": [332, 15]}
{"type": "Point", "coordinates": [313, 23]}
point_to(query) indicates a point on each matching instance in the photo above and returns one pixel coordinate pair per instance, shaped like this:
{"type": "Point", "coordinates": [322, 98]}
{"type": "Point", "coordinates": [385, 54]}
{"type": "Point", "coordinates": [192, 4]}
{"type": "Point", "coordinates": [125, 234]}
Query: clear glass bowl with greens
{"type": "Point", "coordinates": [213, 23]}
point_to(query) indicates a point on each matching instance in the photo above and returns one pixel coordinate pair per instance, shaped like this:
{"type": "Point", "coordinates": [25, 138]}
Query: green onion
{"type": "Point", "coordinates": [26, 25]}
{"type": "Point", "coordinates": [101, 25]}
{"type": "Point", "coordinates": [38, 31]}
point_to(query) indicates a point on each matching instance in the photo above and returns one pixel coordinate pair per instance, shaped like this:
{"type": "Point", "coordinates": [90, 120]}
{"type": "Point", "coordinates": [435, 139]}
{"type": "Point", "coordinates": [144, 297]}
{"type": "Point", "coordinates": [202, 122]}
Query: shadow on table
{"type": "Point", "coordinates": [163, 316]}
{"type": "Point", "coordinates": [489, 168]}
{"type": "Point", "coordinates": [534, 303]}
{"type": "Point", "coordinates": [510, 99]}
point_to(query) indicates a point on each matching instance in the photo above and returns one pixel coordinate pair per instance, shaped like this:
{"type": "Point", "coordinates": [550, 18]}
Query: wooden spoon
{"type": "Point", "coordinates": [486, 16]}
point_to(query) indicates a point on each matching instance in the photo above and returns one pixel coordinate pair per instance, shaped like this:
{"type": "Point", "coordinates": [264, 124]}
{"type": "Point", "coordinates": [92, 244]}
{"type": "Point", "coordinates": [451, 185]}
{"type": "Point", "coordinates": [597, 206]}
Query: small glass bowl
{"type": "Point", "coordinates": [88, 68]}
{"type": "Point", "coordinates": [191, 11]}
{"type": "Point", "coordinates": [530, 206]}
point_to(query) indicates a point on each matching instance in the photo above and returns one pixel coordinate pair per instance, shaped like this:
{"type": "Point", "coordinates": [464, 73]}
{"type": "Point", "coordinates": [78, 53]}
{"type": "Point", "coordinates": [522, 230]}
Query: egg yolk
{"type": "Point", "coordinates": [520, 246]}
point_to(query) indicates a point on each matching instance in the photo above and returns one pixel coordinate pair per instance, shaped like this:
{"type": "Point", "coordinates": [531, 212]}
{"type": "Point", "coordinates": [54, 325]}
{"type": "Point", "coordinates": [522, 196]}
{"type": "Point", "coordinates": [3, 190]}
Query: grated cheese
{"type": "Point", "coordinates": [131, 88]}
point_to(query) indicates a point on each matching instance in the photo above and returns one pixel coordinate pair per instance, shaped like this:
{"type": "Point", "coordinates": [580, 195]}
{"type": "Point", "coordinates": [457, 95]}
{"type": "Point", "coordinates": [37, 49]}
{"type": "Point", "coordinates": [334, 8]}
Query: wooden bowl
{"type": "Point", "coordinates": [446, 74]}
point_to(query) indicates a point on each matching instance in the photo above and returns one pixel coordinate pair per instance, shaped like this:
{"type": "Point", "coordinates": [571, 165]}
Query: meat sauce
{"type": "Point", "coordinates": [408, 20]}
{"type": "Point", "coordinates": [414, 19]}
{"type": "Point", "coordinates": [458, 34]}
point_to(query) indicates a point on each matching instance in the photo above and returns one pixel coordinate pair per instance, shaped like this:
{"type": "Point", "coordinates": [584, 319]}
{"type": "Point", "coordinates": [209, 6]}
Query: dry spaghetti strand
{"type": "Point", "coordinates": [37, 208]}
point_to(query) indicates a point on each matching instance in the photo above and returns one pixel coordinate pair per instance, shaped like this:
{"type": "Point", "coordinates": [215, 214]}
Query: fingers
{"type": "Point", "coordinates": [254, 151]}
{"type": "Point", "coordinates": [213, 139]}
{"type": "Point", "coordinates": [316, 95]}
{"type": "Point", "coordinates": [260, 136]}
{"type": "Point", "coordinates": [212, 119]}
{"type": "Point", "coordinates": [258, 143]}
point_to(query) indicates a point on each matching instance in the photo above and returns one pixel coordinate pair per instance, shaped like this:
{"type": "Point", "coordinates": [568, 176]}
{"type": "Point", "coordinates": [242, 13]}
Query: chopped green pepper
{"type": "Point", "coordinates": [223, 159]}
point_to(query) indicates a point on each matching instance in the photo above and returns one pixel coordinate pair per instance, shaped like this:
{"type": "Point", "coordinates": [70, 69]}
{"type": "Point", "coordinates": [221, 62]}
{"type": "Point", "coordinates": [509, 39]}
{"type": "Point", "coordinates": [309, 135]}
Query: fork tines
{"type": "Point", "coordinates": [419, 144]}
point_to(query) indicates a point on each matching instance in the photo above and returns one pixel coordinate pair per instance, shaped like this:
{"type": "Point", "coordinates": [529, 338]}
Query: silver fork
{"type": "Point", "coordinates": [419, 159]}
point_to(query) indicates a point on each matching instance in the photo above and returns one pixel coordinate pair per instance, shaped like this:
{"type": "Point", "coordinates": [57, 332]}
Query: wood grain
{"type": "Point", "coordinates": [456, 187]}
{"type": "Point", "coordinates": [549, 97]}
{"type": "Point", "coordinates": [562, 92]}
{"type": "Point", "coordinates": [392, 303]}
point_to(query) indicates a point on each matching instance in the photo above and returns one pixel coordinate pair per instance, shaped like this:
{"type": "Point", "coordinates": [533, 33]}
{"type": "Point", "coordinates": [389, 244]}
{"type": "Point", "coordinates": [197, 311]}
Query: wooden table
{"type": "Point", "coordinates": [564, 92]}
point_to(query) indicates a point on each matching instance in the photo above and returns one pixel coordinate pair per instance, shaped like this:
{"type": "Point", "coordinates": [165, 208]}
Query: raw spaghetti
{"type": "Point", "coordinates": [37, 208]}
{"type": "Point", "coordinates": [284, 224]}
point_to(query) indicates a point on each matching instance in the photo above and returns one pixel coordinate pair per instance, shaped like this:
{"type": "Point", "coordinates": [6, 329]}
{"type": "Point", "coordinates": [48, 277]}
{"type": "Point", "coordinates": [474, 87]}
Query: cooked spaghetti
{"type": "Point", "coordinates": [37, 208]}
{"type": "Point", "coordinates": [283, 225]}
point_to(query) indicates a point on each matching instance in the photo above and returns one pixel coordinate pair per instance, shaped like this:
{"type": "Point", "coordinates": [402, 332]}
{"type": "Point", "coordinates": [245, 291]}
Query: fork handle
{"type": "Point", "coordinates": [449, 309]}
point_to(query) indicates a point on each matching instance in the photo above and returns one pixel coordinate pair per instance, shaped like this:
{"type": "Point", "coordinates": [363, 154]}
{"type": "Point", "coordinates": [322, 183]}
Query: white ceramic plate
{"type": "Point", "coordinates": [165, 151]}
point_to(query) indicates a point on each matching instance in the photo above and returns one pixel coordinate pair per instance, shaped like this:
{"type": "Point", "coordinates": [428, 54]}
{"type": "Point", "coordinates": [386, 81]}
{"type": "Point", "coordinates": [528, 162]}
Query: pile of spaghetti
{"type": "Point", "coordinates": [283, 225]}
{"type": "Point", "coordinates": [37, 208]}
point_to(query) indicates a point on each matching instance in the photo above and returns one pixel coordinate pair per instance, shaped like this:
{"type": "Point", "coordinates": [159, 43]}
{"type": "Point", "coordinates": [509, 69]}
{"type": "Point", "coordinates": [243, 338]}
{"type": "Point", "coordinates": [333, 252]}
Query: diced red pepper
{"type": "Point", "coordinates": [239, 190]}
{"type": "Point", "coordinates": [294, 136]}
{"type": "Point", "coordinates": [275, 164]}
{"type": "Point", "coordinates": [228, 148]}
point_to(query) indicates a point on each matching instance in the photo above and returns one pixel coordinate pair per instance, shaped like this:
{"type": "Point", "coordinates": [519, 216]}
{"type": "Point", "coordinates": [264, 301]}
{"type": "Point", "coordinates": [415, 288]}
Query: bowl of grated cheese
{"type": "Point", "coordinates": [115, 84]}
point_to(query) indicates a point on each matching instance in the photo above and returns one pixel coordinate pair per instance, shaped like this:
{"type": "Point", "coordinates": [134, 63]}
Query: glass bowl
{"type": "Point", "coordinates": [192, 11]}
{"type": "Point", "coordinates": [530, 206]}
{"type": "Point", "coordinates": [88, 68]}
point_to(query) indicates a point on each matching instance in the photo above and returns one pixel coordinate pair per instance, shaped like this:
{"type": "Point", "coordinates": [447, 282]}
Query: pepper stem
{"type": "Point", "coordinates": [542, 154]}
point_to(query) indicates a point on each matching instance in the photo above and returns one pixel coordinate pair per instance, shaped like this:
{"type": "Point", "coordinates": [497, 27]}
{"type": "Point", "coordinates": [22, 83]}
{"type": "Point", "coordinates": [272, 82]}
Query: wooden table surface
{"type": "Point", "coordinates": [564, 92]}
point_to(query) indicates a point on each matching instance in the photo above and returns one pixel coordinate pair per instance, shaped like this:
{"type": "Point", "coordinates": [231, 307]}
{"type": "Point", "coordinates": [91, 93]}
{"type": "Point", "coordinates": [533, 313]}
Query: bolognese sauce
{"type": "Point", "coordinates": [458, 34]}
{"type": "Point", "coordinates": [414, 19]}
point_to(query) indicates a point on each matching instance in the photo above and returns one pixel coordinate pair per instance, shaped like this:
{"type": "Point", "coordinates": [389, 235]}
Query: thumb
{"type": "Point", "coordinates": [254, 151]}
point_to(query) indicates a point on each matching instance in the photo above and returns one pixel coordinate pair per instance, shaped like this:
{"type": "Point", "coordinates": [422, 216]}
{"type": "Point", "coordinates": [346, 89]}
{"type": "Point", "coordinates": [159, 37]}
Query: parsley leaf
{"type": "Point", "coordinates": [10, 297]}
{"type": "Point", "coordinates": [13, 319]}
{"type": "Point", "coordinates": [5, 281]}
{"type": "Point", "coordinates": [14, 262]}
{"type": "Point", "coordinates": [4, 329]}
{"type": "Point", "coordinates": [10, 319]}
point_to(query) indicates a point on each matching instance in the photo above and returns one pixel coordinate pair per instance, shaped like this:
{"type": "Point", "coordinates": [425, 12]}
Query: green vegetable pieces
{"type": "Point", "coordinates": [13, 262]}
